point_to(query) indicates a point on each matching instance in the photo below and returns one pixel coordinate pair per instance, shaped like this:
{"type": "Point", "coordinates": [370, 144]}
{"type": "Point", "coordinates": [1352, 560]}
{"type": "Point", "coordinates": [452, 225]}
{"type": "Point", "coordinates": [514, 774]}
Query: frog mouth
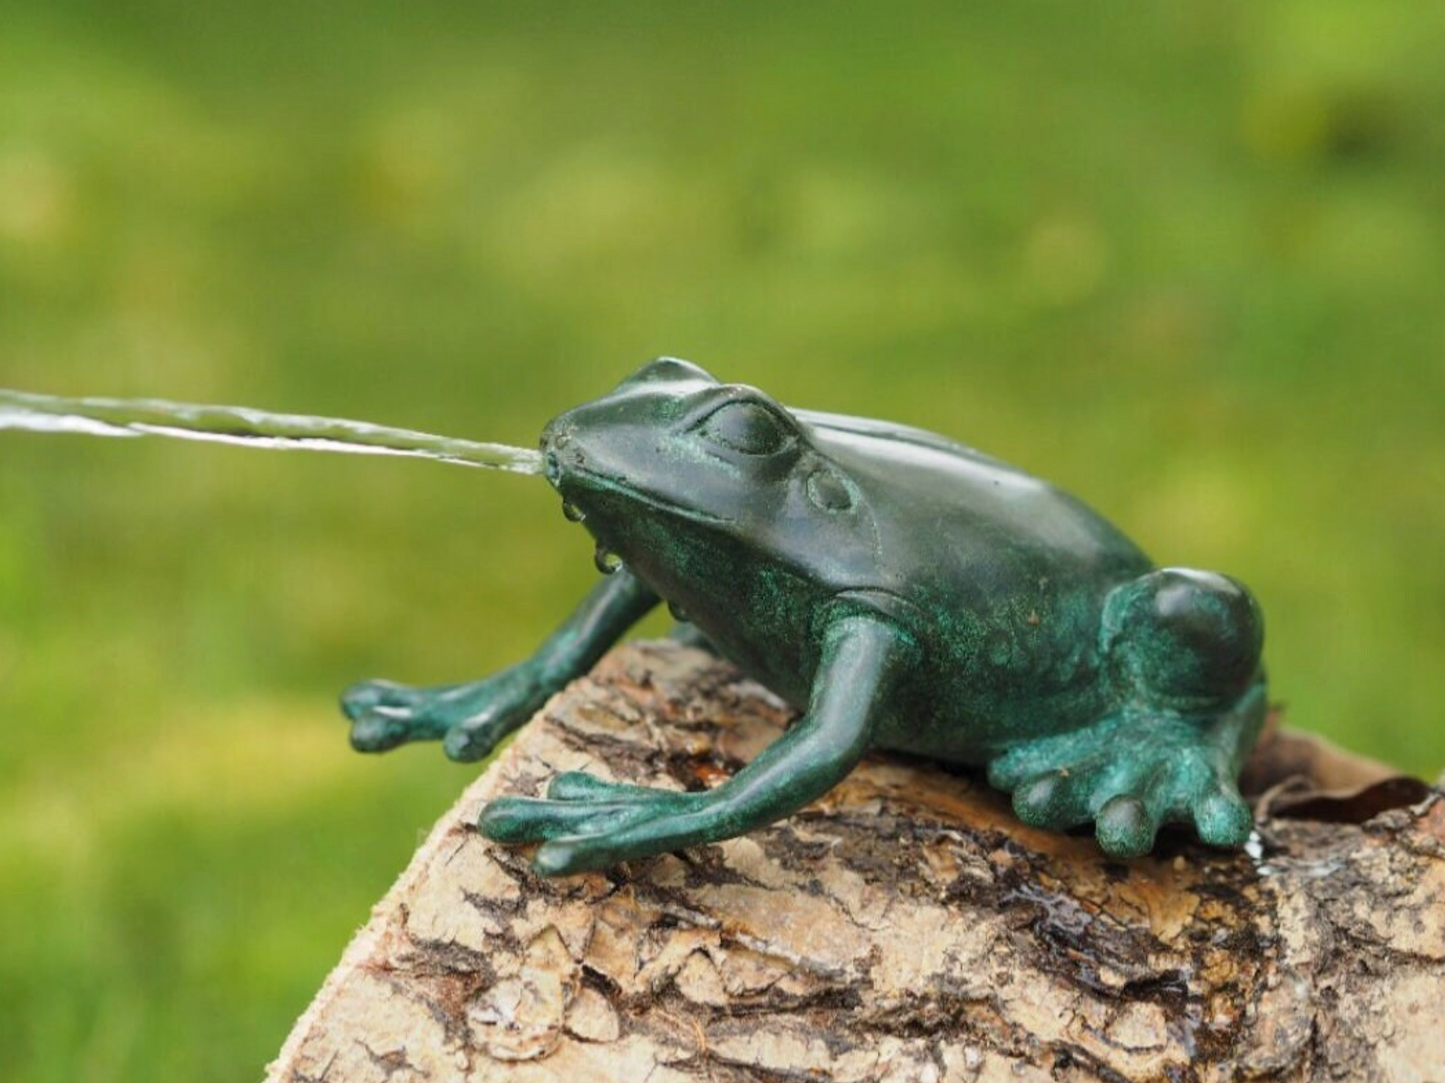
{"type": "Point", "coordinates": [591, 479]}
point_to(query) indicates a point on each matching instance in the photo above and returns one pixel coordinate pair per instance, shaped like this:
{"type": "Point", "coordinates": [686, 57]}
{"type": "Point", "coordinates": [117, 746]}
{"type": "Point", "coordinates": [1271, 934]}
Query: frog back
{"type": "Point", "coordinates": [950, 517]}
{"type": "Point", "coordinates": [1007, 575]}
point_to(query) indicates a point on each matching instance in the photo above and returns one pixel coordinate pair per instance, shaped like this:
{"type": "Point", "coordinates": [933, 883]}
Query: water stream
{"type": "Point", "coordinates": [249, 428]}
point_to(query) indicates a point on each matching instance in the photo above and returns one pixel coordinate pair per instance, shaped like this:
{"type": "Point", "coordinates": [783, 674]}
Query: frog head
{"type": "Point", "coordinates": [690, 480]}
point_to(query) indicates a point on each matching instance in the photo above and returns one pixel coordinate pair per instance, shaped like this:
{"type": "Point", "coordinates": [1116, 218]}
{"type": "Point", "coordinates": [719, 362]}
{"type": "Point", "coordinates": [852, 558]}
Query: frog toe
{"type": "Point", "coordinates": [580, 786]}
{"type": "Point", "coordinates": [1188, 788]}
{"type": "Point", "coordinates": [572, 854]}
{"type": "Point", "coordinates": [519, 820]}
{"type": "Point", "coordinates": [377, 733]}
{"type": "Point", "coordinates": [577, 805]}
{"type": "Point", "coordinates": [365, 696]}
{"type": "Point", "coordinates": [516, 820]}
{"type": "Point", "coordinates": [651, 830]}
{"type": "Point", "coordinates": [1031, 760]}
{"type": "Point", "coordinates": [1125, 826]}
{"type": "Point", "coordinates": [1128, 806]}
{"type": "Point", "coordinates": [1007, 773]}
{"type": "Point", "coordinates": [1221, 817]}
{"type": "Point", "coordinates": [384, 715]}
{"type": "Point", "coordinates": [1057, 800]}
{"type": "Point", "coordinates": [560, 857]}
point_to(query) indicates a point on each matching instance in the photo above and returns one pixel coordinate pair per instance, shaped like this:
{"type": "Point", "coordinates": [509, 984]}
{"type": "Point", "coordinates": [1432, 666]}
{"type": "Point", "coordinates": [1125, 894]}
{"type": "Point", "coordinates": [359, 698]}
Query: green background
{"type": "Point", "coordinates": [1186, 259]}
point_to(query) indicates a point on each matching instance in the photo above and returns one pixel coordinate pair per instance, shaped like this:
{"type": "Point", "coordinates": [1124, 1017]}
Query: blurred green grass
{"type": "Point", "coordinates": [1185, 260]}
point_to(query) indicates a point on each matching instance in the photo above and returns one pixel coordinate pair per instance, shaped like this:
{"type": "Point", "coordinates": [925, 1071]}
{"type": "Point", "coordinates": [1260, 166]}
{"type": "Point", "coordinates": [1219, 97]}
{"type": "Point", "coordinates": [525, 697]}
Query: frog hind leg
{"type": "Point", "coordinates": [1183, 649]}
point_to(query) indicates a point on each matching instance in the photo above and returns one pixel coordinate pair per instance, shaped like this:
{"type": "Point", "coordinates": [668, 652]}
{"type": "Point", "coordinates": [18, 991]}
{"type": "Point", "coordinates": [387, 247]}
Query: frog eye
{"type": "Point", "coordinates": [747, 427]}
{"type": "Point", "coordinates": [667, 369]}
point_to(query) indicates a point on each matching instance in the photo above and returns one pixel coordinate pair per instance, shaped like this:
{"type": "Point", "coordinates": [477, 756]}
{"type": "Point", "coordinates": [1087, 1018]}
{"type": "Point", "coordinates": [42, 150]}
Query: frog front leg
{"type": "Point", "coordinates": [586, 823]}
{"type": "Point", "coordinates": [1182, 650]}
{"type": "Point", "coordinates": [471, 718]}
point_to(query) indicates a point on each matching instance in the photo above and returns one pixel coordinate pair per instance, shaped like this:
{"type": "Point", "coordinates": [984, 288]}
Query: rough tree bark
{"type": "Point", "coordinates": [905, 928]}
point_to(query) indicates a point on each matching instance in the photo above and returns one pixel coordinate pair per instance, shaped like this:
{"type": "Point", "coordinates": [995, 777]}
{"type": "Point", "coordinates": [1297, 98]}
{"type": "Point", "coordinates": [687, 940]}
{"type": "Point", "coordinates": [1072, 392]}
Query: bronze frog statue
{"type": "Point", "coordinates": [903, 591]}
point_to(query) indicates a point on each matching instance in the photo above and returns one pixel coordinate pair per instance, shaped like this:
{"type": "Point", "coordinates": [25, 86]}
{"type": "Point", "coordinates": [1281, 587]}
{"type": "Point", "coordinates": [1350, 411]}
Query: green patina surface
{"type": "Point", "coordinates": [1185, 259]}
{"type": "Point", "coordinates": [905, 591]}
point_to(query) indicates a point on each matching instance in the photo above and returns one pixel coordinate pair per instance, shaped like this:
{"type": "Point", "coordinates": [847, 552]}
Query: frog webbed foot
{"type": "Point", "coordinates": [470, 719]}
{"type": "Point", "coordinates": [1135, 771]}
{"type": "Point", "coordinates": [587, 823]}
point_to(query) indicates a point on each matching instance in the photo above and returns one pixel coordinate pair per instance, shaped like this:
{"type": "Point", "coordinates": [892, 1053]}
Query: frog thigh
{"type": "Point", "coordinates": [1183, 638]}
{"type": "Point", "coordinates": [1183, 649]}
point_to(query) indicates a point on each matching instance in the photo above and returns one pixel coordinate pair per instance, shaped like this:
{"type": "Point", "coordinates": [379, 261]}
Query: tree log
{"type": "Point", "coordinates": [904, 928]}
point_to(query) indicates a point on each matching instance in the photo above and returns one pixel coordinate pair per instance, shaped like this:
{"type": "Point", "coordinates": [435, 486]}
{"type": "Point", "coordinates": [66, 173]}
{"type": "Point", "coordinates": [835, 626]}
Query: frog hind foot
{"type": "Point", "coordinates": [1136, 770]}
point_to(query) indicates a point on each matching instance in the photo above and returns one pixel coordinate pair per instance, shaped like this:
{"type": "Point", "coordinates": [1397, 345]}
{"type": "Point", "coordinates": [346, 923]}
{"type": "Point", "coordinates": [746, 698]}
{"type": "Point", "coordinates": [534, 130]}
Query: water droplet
{"type": "Point", "coordinates": [572, 512]}
{"type": "Point", "coordinates": [678, 613]}
{"type": "Point", "coordinates": [607, 561]}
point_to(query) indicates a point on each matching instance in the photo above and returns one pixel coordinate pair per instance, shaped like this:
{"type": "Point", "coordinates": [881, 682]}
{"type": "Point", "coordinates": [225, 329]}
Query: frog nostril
{"type": "Point", "coordinates": [828, 492]}
{"type": "Point", "coordinates": [552, 466]}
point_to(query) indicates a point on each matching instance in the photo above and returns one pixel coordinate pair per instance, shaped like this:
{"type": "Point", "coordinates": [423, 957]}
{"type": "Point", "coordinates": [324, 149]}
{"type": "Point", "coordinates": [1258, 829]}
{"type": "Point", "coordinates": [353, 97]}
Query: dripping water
{"type": "Point", "coordinates": [249, 428]}
{"type": "Point", "coordinates": [608, 562]}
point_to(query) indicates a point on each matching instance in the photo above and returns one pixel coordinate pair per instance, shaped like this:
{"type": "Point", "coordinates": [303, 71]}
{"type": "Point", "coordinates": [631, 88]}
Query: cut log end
{"type": "Point", "coordinates": [904, 928]}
